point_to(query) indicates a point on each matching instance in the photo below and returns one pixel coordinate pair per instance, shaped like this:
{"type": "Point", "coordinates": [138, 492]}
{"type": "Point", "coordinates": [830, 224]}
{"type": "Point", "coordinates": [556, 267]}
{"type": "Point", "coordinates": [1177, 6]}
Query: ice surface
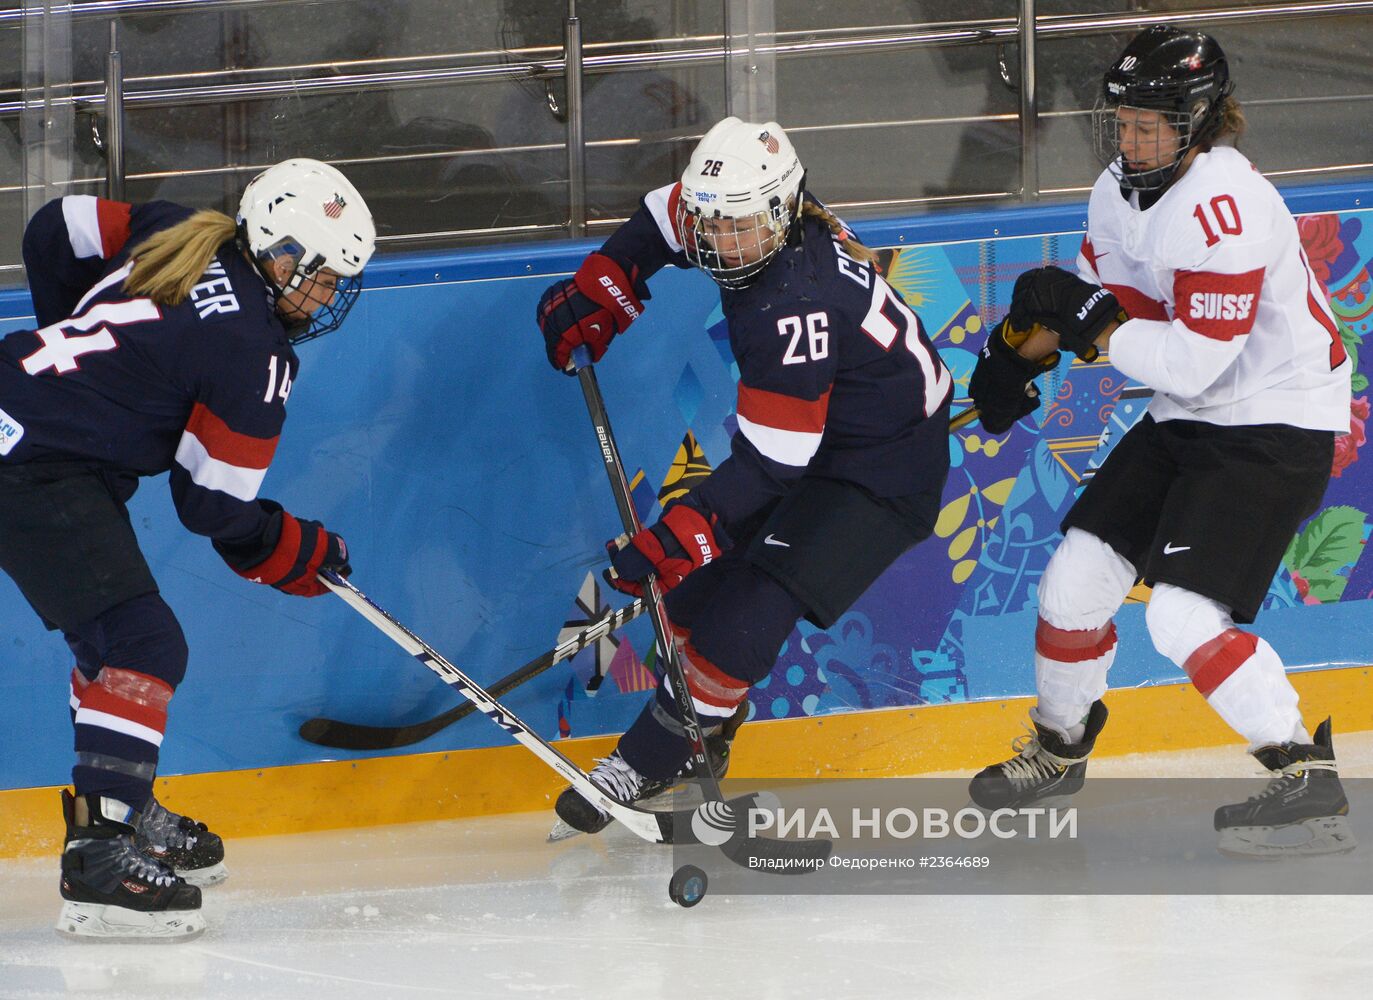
{"type": "Point", "coordinates": [484, 908]}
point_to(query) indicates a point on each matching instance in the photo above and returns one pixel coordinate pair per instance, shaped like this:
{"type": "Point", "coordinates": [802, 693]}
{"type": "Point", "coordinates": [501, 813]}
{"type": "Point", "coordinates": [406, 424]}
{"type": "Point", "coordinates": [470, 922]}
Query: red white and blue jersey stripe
{"type": "Point", "coordinates": [197, 389]}
{"type": "Point", "coordinates": [836, 375]}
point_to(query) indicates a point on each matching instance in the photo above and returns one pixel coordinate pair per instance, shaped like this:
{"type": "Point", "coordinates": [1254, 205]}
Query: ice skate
{"type": "Point", "coordinates": [184, 845]}
{"type": "Point", "coordinates": [1302, 812]}
{"type": "Point", "coordinates": [111, 891]}
{"type": "Point", "coordinates": [618, 780]}
{"type": "Point", "coordinates": [717, 749]}
{"type": "Point", "coordinates": [1046, 766]}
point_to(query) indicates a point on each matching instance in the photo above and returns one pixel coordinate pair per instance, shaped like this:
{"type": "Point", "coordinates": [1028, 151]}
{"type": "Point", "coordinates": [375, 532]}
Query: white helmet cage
{"type": "Point", "coordinates": [309, 211]}
{"type": "Point", "coordinates": [740, 195]}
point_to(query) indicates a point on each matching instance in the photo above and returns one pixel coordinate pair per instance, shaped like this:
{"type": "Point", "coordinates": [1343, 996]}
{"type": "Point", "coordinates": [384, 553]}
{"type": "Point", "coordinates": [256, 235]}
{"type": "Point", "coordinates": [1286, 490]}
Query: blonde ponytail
{"type": "Point", "coordinates": [1232, 121]}
{"type": "Point", "coordinates": [851, 246]}
{"type": "Point", "coordinates": [168, 264]}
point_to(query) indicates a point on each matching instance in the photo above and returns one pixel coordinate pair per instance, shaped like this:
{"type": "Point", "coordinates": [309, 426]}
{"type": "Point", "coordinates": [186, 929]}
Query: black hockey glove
{"type": "Point", "coordinates": [1000, 386]}
{"type": "Point", "coordinates": [1074, 309]}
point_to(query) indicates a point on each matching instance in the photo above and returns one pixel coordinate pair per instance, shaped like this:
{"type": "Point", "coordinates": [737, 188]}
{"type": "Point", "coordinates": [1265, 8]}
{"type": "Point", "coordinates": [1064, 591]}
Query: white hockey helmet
{"type": "Point", "coordinates": [309, 211]}
{"type": "Point", "coordinates": [740, 195]}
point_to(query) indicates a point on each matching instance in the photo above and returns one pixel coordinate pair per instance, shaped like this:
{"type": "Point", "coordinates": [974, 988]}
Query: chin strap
{"type": "Point", "coordinates": [795, 234]}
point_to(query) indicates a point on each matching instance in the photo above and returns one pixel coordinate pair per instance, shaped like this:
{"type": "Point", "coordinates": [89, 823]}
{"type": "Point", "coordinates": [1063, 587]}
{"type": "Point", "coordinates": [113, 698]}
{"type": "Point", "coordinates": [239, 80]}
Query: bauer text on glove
{"type": "Point", "coordinates": [682, 541]}
{"type": "Point", "coordinates": [589, 309]}
{"type": "Point", "coordinates": [1078, 311]}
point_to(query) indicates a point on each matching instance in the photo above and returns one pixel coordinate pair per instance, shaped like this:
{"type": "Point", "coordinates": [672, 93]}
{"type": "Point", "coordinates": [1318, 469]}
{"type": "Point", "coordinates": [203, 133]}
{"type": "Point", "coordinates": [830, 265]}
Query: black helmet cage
{"type": "Point", "coordinates": [326, 318]}
{"type": "Point", "coordinates": [329, 317]}
{"type": "Point", "coordinates": [1189, 94]}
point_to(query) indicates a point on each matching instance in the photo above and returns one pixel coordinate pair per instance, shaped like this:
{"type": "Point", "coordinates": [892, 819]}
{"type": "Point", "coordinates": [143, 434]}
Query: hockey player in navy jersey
{"type": "Point", "coordinates": [842, 447]}
{"type": "Point", "coordinates": [1230, 328]}
{"type": "Point", "coordinates": [165, 344]}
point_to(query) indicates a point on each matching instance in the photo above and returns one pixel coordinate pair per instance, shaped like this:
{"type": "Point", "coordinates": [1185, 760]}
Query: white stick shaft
{"type": "Point", "coordinates": [645, 825]}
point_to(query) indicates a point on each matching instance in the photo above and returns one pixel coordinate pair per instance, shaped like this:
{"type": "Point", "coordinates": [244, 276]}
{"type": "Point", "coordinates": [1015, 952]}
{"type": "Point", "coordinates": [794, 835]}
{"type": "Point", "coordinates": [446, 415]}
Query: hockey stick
{"type": "Point", "coordinates": [356, 736]}
{"type": "Point", "coordinates": [656, 827]}
{"type": "Point", "coordinates": [340, 735]}
{"type": "Point", "coordinates": [739, 848]}
{"type": "Point", "coordinates": [963, 419]}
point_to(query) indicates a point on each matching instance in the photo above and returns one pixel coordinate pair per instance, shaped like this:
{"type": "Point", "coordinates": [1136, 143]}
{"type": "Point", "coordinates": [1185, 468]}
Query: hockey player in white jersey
{"type": "Point", "coordinates": [1230, 328]}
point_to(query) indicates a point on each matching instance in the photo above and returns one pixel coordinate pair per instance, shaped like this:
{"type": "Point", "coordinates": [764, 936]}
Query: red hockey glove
{"type": "Point", "coordinates": [302, 549]}
{"type": "Point", "coordinates": [589, 308]}
{"type": "Point", "coordinates": [679, 543]}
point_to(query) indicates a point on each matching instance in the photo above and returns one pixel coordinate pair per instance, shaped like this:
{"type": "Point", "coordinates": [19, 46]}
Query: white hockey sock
{"type": "Point", "coordinates": [1243, 679]}
{"type": "Point", "coordinates": [1070, 673]}
{"type": "Point", "coordinates": [1238, 674]}
{"type": "Point", "coordinates": [1075, 641]}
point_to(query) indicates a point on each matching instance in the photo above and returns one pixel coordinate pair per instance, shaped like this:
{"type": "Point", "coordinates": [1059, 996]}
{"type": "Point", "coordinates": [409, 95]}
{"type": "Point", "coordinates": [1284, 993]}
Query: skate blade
{"type": "Point", "coordinates": [97, 923]}
{"type": "Point", "coordinates": [561, 831]}
{"type": "Point", "coordinates": [207, 876]}
{"type": "Point", "coordinates": [1323, 835]}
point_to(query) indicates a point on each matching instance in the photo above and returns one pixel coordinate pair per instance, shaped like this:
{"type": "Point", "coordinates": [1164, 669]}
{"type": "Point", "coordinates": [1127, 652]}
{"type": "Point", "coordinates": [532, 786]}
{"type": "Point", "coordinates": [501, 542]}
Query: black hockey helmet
{"type": "Point", "coordinates": [1184, 76]}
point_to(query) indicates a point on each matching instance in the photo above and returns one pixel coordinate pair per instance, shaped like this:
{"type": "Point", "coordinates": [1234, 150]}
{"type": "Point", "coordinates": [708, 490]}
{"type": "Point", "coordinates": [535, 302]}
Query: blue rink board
{"type": "Point", "coordinates": [464, 474]}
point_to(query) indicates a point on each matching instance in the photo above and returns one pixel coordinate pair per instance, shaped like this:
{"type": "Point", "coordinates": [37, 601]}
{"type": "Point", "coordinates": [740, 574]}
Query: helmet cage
{"type": "Point", "coordinates": [327, 317]}
{"type": "Point", "coordinates": [330, 316]}
{"type": "Point", "coordinates": [702, 242]}
{"type": "Point", "coordinates": [1106, 141]}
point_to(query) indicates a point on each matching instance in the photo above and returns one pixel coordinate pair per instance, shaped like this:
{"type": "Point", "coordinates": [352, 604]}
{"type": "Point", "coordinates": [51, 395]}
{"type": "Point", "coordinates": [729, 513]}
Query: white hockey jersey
{"type": "Point", "coordinates": [1228, 324]}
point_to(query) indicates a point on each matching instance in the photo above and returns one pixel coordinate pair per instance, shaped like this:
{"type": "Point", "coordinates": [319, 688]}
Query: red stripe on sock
{"type": "Point", "coordinates": [1074, 645]}
{"type": "Point", "coordinates": [130, 695]}
{"type": "Point", "coordinates": [1212, 662]}
{"type": "Point", "coordinates": [708, 683]}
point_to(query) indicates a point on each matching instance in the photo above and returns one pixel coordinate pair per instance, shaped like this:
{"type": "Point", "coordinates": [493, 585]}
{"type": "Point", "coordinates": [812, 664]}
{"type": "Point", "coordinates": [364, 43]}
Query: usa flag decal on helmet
{"type": "Point", "coordinates": [334, 208]}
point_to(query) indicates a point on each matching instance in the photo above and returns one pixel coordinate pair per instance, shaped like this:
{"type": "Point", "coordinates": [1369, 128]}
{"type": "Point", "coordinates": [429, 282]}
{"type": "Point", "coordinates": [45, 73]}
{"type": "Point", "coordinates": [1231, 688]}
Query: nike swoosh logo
{"type": "Point", "coordinates": [772, 540]}
{"type": "Point", "coordinates": [1170, 548]}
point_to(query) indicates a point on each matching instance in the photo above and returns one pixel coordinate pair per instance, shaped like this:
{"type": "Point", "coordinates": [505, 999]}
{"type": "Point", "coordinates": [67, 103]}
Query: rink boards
{"type": "Point", "coordinates": [431, 433]}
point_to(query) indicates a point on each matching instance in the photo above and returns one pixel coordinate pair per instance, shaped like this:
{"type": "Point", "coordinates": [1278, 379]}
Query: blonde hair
{"type": "Point", "coordinates": [1232, 121]}
{"type": "Point", "coordinates": [1228, 127]}
{"type": "Point", "coordinates": [851, 246]}
{"type": "Point", "coordinates": [168, 264]}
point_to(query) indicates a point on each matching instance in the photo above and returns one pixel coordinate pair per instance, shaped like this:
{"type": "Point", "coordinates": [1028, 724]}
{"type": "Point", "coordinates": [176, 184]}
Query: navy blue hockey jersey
{"type": "Point", "coordinates": [836, 375]}
{"type": "Point", "coordinates": [198, 389]}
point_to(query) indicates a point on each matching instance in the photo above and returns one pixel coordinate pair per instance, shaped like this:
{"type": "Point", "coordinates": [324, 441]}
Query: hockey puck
{"type": "Point", "coordinates": [688, 885]}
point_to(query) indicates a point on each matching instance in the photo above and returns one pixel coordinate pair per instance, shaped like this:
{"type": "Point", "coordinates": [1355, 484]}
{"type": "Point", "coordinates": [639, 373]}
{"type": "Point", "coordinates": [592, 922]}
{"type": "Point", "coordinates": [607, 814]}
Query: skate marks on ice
{"type": "Point", "coordinates": [483, 908]}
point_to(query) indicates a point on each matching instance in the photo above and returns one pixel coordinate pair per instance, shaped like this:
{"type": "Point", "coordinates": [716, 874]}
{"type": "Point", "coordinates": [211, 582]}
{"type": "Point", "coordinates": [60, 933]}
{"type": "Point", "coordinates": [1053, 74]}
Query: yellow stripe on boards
{"type": "Point", "coordinates": [877, 744]}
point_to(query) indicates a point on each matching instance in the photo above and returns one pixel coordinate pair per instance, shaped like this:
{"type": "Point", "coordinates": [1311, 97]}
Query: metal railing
{"type": "Point", "coordinates": [574, 61]}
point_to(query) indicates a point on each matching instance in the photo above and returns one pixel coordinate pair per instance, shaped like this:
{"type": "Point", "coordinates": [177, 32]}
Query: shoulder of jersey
{"type": "Point", "coordinates": [1227, 170]}
{"type": "Point", "coordinates": [233, 297]}
{"type": "Point", "coordinates": [834, 274]}
{"type": "Point", "coordinates": [1221, 187]}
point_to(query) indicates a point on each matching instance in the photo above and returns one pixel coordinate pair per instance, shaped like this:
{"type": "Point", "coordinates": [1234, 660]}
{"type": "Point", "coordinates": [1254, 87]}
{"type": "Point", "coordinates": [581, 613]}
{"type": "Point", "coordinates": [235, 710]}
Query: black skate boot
{"type": "Point", "coordinates": [1302, 811]}
{"type": "Point", "coordinates": [613, 776]}
{"type": "Point", "coordinates": [1046, 766]}
{"type": "Point", "coordinates": [111, 890]}
{"type": "Point", "coordinates": [618, 780]}
{"type": "Point", "coordinates": [718, 746]}
{"type": "Point", "coordinates": [182, 844]}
